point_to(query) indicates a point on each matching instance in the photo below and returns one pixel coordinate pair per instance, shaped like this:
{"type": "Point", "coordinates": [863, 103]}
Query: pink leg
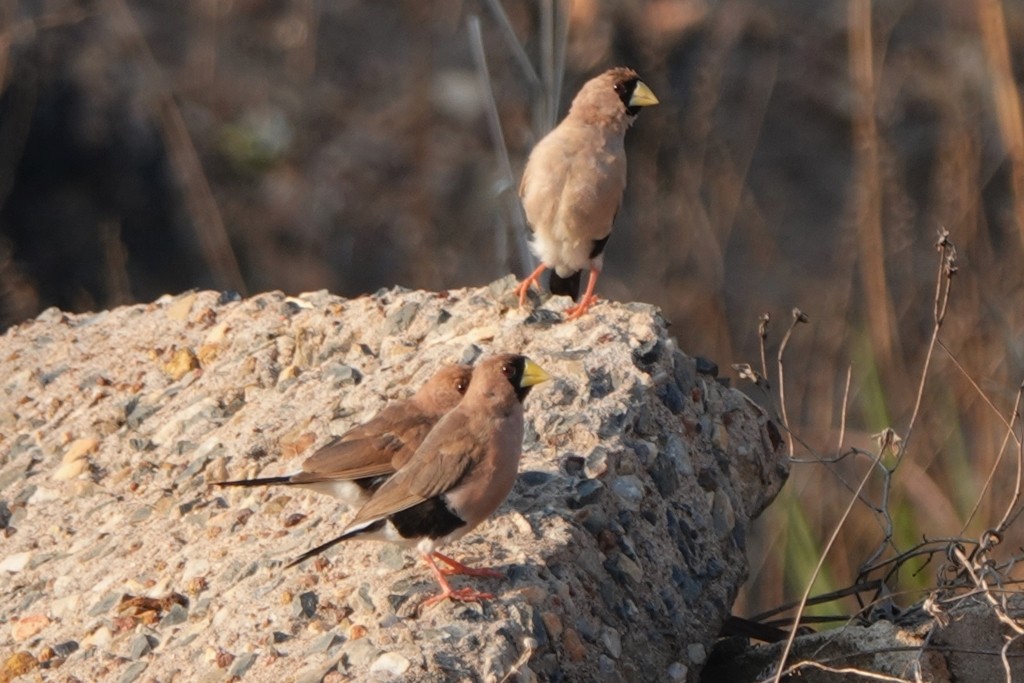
{"type": "Point", "coordinates": [447, 592]}
{"type": "Point", "coordinates": [457, 567]}
{"type": "Point", "coordinates": [531, 279]}
{"type": "Point", "coordinates": [588, 300]}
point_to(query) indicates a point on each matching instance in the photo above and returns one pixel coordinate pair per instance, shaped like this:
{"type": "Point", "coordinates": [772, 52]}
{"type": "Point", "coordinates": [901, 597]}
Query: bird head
{"type": "Point", "coordinates": [616, 95]}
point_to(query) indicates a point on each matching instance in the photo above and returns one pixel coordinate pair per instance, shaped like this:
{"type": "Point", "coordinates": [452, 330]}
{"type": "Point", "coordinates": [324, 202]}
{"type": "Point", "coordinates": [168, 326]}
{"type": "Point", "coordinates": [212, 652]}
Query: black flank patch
{"type": "Point", "coordinates": [598, 247]}
{"type": "Point", "coordinates": [565, 286]}
{"type": "Point", "coordinates": [431, 518]}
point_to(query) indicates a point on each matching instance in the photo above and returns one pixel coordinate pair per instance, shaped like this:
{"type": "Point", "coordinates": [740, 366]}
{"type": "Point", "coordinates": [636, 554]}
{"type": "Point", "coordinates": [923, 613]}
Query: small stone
{"type": "Point", "coordinates": [573, 465]}
{"type": "Point", "coordinates": [18, 664]}
{"type": "Point", "coordinates": [64, 649]}
{"type": "Point", "coordinates": [305, 605]}
{"type": "Point", "coordinates": [553, 624]}
{"type": "Point", "coordinates": [181, 363]}
{"type": "Point", "coordinates": [720, 436]}
{"type": "Point", "coordinates": [621, 566]}
{"type": "Point", "coordinates": [325, 642]}
{"type": "Point", "coordinates": [597, 462]}
{"type": "Point", "coordinates": [647, 354]}
{"type": "Point", "coordinates": [696, 653]}
{"type": "Point", "coordinates": [75, 459]}
{"type": "Point", "coordinates": [706, 367]}
{"type": "Point", "coordinates": [359, 653]}
{"type": "Point", "coordinates": [534, 595]}
{"type": "Point", "coordinates": [241, 665]}
{"type": "Point", "coordinates": [26, 627]}
{"type": "Point", "coordinates": [342, 375]}
{"type": "Point", "coordinates": [672, 397]}
{"type": "Point", "coordinates": [41, 495]}
{"type": "Point", "coordinates": [630, 489]}
{"type": "Point", "coordinates": [533, 478]}
{"type": "Point", "coordinates": [228, 296]}
{"type": "Point", "coordinates": [16, 562]}
{"type": "Point", "coordinates": [319, 673]}
{"type": "Point", "coordinates": [140, 515]}
{"type": "Point", "coordinates": [101, 638]}
{"type": "Point", "coordinates": [105, 604]}
{"type": "Point", "coordinates": [80, 448]}
{"type": "Point", "coordinates": [180, 309]}
{"type": "Point", "coordinates": [587, 493]}
{"type": "Point", "coordinates": [573, 645]}
{"type": "Point", "coordinates": [677, 671]}
{"type": "Point", "coordinates": [70, 470]}
{"type": "Point", "coordinates": [177, 614]}
{"type": "Point", "coordinates": [469, 354]}
{"type": "Point", "coordinates": [502, 286]}
{"type": "Point", "coordinates": [722, 514]}
{"type": "Point", "coordinates": [133, 671]}
{"type": "Point", "coordinates": [141, 646]}
{"type": "Point", "coordinates": [606, 665]}
{"type": "Point", "coordinates": [391, 557]}
{"type": "Point", "coordinates": [390, 663]}
{"type": "Point", "coordinates": [400, 320]}
{"type": "Point", "coordinates": [612, 641]}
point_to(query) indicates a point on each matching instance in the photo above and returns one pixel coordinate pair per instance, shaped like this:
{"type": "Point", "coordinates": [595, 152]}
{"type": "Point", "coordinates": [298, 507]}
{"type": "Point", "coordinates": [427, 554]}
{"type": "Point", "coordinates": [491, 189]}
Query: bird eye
{"type": "Point", "coordinates": [620, 88]}
{"type": "Point", "coordinates": [508, 370]}
{"type": "Point", "coordinates": [460, 386]}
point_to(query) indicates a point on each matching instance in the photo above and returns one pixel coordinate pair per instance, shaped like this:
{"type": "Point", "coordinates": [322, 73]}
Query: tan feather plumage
{"type": "Point", "coordinates": [378, 447]}
{"type": "Point", "coordinates": [459, 475]}
{"type": "Point", "coordinates": [575, 177]}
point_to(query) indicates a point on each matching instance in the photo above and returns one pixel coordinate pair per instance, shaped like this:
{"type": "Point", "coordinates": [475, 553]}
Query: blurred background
{"type": "Point", "coordinates": [805, 154]}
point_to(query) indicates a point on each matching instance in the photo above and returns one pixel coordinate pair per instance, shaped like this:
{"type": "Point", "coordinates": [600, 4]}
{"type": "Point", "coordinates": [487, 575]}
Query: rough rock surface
{"type": "Point", "coordinates": [623, 541]}
{"type": "Point", "coordinates": [966, 646]}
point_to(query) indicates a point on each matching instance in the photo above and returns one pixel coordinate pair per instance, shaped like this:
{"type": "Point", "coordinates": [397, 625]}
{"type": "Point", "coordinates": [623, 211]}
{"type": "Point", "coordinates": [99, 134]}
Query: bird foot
{"type": "Point", "coordinates": [576, 311]}
{"type": "Point", "coordinates": [523, 288]}
{"type": "Point", "coordinates": [460, 595]}
{"type": "Point", "coordinates": [456, 567]}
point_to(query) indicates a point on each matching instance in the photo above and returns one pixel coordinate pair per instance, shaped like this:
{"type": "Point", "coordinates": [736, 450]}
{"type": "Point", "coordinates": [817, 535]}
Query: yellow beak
{"type": "Point", "coordinates": [533, 374]}
{"type": "Point", "coordinates": [642, 96]}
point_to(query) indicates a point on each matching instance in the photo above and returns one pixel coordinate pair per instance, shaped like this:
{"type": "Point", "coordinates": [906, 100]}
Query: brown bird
{"type": "Point", "coordinates": [354, 465]}
{"type": "Point", "coordinates": [458, 477]}
{"type": "Point", "coordinates": [574, 180]}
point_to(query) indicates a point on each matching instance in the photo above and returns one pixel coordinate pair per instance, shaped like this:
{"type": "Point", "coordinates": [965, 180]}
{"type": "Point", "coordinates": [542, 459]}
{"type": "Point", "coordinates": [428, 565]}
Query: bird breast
{"type": "Point", "coordinates": [487, 485]}
{"type": "Point", "coordinates": [574, 184]}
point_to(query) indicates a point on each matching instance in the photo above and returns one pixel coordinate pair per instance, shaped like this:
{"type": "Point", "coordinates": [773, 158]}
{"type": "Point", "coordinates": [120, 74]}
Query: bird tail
{"type": "Point", "coordinates": [566, 286]}
{"type": "Point", "coordinates": [265, 481]}
{"type": "Point", "coordinates": [312, 552]}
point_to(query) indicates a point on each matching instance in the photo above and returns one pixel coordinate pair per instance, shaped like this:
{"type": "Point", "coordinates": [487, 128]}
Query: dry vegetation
{"type": "Point", "coordinates": [805, 154]}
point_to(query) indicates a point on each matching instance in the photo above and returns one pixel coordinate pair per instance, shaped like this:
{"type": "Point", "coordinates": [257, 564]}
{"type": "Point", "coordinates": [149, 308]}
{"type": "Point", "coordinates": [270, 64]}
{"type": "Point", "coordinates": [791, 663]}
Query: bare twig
{"type": "Point", "coordinates": [842, 412]}
{"type": "Point", "coordinates": [762, 335]}
{"type": "Point", "coordinates": [518, 221]}
{"type": "Point", "coordinates": [518, 53]}
{"type": "Point", "coordinates": [798, 317]}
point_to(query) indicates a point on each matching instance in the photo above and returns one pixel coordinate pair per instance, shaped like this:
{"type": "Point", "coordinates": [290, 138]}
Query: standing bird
{"type": "Point", "coordinates": [458, 477]}
{"type": "Point", "coordinates": [354, 465]}
{"type": "Point", "coordinates": [574, 180]}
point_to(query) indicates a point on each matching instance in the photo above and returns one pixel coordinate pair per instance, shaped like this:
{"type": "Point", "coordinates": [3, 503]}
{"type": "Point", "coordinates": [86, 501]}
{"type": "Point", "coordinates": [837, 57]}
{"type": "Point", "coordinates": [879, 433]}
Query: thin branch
{"type": "Point", "coordinates": [512, 41]}
{"type": "Point", "coordinates": [518, 222]}
{"type": "Point", "coordinates": [798, 317]}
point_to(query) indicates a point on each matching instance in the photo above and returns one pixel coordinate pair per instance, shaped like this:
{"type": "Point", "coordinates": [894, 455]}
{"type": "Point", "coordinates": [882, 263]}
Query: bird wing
{"type": "Point", "coordinates": [380, 446]}
{"type": "Point", "coordinates": [592, 189]}
{"type": "Point", "coordinates": [438, 465]}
